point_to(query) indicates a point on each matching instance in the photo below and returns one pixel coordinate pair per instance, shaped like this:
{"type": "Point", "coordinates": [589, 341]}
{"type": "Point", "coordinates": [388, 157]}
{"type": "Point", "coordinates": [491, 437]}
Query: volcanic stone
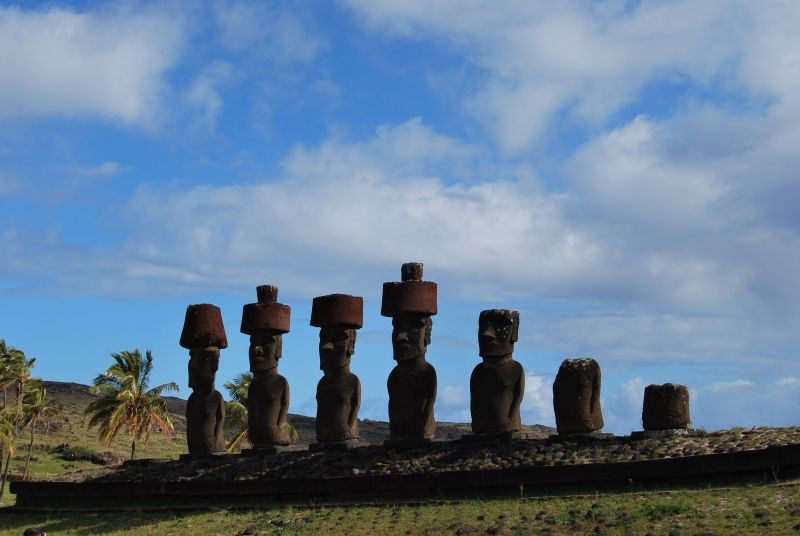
{"type": "Point", "coordinates": [576, 397]}
{"type": "Point", "coordinates": [666, 407]}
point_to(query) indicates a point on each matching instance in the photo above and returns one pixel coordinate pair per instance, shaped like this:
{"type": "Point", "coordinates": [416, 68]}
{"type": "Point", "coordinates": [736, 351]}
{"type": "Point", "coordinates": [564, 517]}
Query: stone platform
{"type": "Point", "coordinates": [445, 470]}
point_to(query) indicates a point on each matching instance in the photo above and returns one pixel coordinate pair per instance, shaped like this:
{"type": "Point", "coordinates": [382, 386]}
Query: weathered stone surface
{"type": "Point", "coordinates": [338, 310]}
{"type": "Point", "coordinates": [268, 394]}
{"type": "Point", "coordinates": [267, 314]}
{"type": "Point", "coordinates": [203, 327]}
{"type": "Point", "coordinates": [666, 407]}
{"type": "Point", "coordinates": [412, 383]}
{"type": "Point", "coordinates": [205, 409]}
{"type": "Point", "coordinates": [497, 385]}
{"type": "Point", "coordinates": [411, 295]}
{"type": "Point", "coordinates": [576, 397]}
{"type": "Point", "coordinates": [339, 390]}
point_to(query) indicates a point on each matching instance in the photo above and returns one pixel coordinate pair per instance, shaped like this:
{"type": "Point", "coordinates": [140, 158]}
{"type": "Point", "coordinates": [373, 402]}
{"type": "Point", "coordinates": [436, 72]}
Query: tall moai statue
{"type": "Point", "coordinates": [497, 385]}
{"type": "Point", "coordinates": [339, 391]}
{"type": "Point", "coordinates": [412, 383]}
{"type": "Point", "coordinates": [576, 397]}
{"type": "Point", "coordinates": [666, 407]}
{"type": "Point", "coordinates": [268, 395]}
{"type": "Point", "coordinates": [204, 335]}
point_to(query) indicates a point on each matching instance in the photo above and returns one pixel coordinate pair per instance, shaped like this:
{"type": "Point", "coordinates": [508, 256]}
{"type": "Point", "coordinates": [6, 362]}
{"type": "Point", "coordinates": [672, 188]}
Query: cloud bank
{"type": "Point", "coordinates": [108, 64]}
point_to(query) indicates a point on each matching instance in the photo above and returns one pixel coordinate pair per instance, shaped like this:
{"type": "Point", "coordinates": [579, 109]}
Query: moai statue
{"type": "Point", "coordinates": [412, 382]}
{"type": "Point", "coordinates": [204, 335]}
{"type": "Point", "coordinates": [666, 407]}
{"type": "Point", "coordinates": [576, 397]}
{"type": "Point", "coordinates": [268, 395]}
{"type": "Point", "coordinates": [339, 391]}
{"type": "Point", "coordinates": [498, 383]}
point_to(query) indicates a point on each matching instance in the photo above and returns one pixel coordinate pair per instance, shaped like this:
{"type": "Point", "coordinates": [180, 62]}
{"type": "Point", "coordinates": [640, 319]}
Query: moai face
{"type": "Point", "coordinates": [336, 345]}
{"type": "Point", "coordinates": [411, 335]}
{"type": "Point", "coordinates": [498, 330]}
{"type": "Point", "coordinates": [203, 364]}
{"type": "Point", "coordinates": [266, 348]}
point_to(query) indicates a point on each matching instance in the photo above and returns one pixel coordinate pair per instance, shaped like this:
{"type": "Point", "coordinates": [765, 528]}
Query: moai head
{"type": "Point", "coordinates": [265, 322]}
{"type": "Point", "coordinates": [498, 330]}
{"type": "Point", "coordinates": [338, 316]}
{"type": "Point", "coordinates": [203, 335]}
{"type": "Point", "coordinates": [203, 365]}
{"type": "Point", "coordinates": [666, 407]}
{"type": "Point", "coordinates": [411, 303]}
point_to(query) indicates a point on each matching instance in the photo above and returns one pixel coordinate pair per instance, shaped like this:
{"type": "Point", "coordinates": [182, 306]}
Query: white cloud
{"type": "Point", "coordinates": [106, 169]}
{"type": "Point", "coordinates": [718, 387]}
{"type": "Point", "coordinates": [586, 60]}
{"type": "Point", "coordinates": [537, 404]}
{"type": "Point", "coordinates": [281, 34]}
{"type": "Point", "coordinates": [788, 381]}
{"type": "Point", "coordinates": [109, 64]}
{"type": "Point", "coordinates": [746, 403]}
{"type": "Point", "coordinates": [204, 94]}
{"type": "Point", "coordinates": [622, 409]}
{"type": "Point", "coordinates": [454, 395]}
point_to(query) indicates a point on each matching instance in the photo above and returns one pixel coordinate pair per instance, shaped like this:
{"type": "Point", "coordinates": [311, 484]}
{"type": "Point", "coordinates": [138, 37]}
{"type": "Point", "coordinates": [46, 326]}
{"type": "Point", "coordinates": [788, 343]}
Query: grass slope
{"type": "Point", "coordinates": [745, 509]}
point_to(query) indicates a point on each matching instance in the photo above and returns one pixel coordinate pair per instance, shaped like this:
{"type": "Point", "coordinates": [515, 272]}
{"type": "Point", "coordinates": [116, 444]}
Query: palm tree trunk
{"type": "Point", "coordinates": [30, 449]}
{"type": "Point", "coordinates": [5, 476]}
{"type": "Point", "coordinates": [133, 447]}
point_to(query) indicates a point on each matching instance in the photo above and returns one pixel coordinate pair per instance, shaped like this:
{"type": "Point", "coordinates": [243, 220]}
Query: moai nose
{"type": "Point", "coordinates": [488, 334]}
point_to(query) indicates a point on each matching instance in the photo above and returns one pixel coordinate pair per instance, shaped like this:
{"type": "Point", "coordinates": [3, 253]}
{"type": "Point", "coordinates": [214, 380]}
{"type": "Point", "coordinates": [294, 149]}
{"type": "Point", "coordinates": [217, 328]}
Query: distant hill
{"type": "Point", "coordinates": [75, 397]}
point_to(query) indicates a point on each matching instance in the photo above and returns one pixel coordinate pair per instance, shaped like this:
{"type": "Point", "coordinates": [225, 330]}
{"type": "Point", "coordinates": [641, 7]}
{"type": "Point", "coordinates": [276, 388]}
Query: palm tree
{"type": "Point", "coordinates": [36, 406]}
{"type": "Point", "coordinates": [17, 371]}
{"type": "Point", "coordinates": [126, 402]}
{"type": "Point", "coordinates": [236, 409]}
{"type": "Point", "coordinates": [6, 432]}
{"type": "Point", "coordinates": [10, 358]}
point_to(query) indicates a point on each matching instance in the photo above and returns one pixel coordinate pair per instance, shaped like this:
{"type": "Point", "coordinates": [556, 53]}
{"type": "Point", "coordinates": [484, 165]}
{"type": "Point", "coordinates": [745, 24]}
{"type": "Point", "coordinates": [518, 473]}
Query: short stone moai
{"type": "Point", "coordinates": [412, 383]}
{"type": "Point", "coordinates": [576, 397]}
{"type": "Point", "coordinates": [204, 335]}
{"type": "Point", "coordinates": [497, 385]}
{"type": "Point", "coordinates": [665, 410]}
{"type": "Point", "coordinates": [268, 395]}
{"type": "Point", "coordinates": [339, 391]}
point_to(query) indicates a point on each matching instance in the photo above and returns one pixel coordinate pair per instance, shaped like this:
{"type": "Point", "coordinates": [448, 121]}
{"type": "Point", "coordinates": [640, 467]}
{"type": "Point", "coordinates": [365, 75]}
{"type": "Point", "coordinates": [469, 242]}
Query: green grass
{"type": "Point", "coordinates": [746, 509]}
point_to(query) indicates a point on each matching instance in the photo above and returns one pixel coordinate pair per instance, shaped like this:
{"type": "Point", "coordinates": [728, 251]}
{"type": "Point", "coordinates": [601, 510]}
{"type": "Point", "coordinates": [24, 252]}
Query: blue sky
{"type": "Point", "coordinates": [625, 174]}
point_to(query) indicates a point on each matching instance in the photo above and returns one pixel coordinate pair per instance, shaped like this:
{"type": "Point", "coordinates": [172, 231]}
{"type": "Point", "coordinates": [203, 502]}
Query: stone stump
{"type": "Point", "coordinates": [666, 407]}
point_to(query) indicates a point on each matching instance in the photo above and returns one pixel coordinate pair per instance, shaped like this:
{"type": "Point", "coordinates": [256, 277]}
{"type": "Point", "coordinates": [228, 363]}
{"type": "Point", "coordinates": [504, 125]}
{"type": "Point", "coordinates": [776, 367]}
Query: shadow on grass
{"type": "Point", "coordinates": [14, 522]}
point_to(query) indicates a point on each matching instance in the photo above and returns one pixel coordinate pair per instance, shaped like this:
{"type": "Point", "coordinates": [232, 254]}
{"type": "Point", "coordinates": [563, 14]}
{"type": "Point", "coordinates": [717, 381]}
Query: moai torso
{"type": "Point", "coordinates": [496, 395]}
{"type": "Point", "coordinates": [412, 392]}
{"type": "Point", "coordinates": [267, 416]}
{"type": "Point", "coordinates": [338, 400]}
{"type": "Point", "coordinates": [205, 418]}
{"type": "Point", "coordinates": [268, 395]}
{"type": "Point", "coordinates": [576, 397]}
